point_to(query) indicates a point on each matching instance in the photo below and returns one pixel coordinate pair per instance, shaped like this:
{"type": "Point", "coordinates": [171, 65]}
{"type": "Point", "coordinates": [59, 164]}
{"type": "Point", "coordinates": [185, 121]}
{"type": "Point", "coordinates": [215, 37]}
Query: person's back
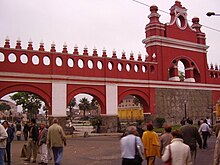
{"type": "Point", "coordinates": [180, 152]}
{"type": "Point", "coordinates": [56, 135]}
{"type": "Point", "coordinates": [166, 138]}
{"type": "Point", "coordinates": [191, 136]}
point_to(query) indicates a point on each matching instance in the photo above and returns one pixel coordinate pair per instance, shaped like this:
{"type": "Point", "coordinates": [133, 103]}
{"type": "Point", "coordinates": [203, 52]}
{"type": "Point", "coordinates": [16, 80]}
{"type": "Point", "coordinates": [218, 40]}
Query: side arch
{"type": "Point", "coordinates": [42, 90]}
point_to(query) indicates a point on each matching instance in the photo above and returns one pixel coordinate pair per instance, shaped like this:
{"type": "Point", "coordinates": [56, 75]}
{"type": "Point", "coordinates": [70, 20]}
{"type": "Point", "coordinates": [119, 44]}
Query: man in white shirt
{"type": "Point", "coordinates": [128, 146]}
{"type": "Point", "coordinates": [204, 129]}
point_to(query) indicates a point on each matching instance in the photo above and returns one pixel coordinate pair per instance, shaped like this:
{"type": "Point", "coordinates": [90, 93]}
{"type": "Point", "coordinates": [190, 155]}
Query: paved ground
{"type": "Point", "coordinates": [100, 150]}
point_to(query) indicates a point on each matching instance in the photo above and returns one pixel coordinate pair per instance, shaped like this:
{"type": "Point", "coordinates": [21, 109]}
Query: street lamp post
{"type": "Point", "coordinates": [185, 108]}
{"type": "Point", "coordinates": [209, 14]}
{"type": "Point", "coordinates": [211, 108]}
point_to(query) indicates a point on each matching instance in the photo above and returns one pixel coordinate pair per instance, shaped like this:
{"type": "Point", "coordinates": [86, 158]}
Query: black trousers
{"type": "Point", "coordinates": [205, 137]}
{"type": "Point", "coordinates": [8, 152]}
{"type": "Point", "coordinates": [126, 161]}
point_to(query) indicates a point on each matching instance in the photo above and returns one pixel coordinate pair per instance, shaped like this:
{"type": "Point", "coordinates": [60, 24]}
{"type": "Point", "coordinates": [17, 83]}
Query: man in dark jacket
{"type": "Point", "coordinates": [191, 137]}
{"type": "Point", "coordinates": [32, 141]}
{"type": "Point", "coordinates": [10, 133]}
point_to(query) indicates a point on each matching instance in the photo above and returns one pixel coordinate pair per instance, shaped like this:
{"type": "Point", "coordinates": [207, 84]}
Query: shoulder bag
{"type": "Point", "coordinates": [138, 155]}
{"type": "Point", "coordinates": [169, 161]}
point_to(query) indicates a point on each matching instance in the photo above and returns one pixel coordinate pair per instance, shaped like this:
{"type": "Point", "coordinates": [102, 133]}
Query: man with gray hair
{"type": "Point", "coordinates": [56, 140]}
{"type": "Point", "coordinates": [128, 146]}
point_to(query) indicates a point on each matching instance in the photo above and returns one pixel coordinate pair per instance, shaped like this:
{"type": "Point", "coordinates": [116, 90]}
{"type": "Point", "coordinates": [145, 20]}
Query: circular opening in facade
{"type": "Point", "coordinates": [46, 60]}
{"type": "Point", "coordinates": [35, 60]}
{"type": "Point", "coordinates": [80, 63]}
{"type": "Point", "coordinates": [2, 57]}
{"type": "Point", "coordinates": [128, 67]}
{"type": "Point", "coordinates": [12, 57]}
{"type": "Point", "coordinates": [24, 59]}
{"type": "Point", "coordinates": [99, 65]}
{"type": "Point", "coordinates": [59, 61]}
{"type": "Point", "coordinates": [144, 68]}
{"type": "Point", "coordinates": [110, 65]}
{"type": "Point", "coordinates": [90, 64]}
{"type": "Point", "coordinates": [136, 68]}
{"type": "Point", "coordinates": [119, 66]}
{"type": "Point", "coordinates": [70, 62]}
{"type": "Point", "coordinates": [152, 68]}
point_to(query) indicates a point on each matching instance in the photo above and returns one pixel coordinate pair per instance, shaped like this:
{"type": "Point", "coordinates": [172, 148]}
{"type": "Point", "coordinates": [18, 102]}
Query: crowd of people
{"type": "Point", "coordinates": [178, 147]}
{"type": "Point", "coordinates": [38, 137]}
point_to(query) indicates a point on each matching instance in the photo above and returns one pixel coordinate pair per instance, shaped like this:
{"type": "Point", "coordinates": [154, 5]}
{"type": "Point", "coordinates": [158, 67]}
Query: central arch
{"type": "Point", "coordinates": [96, 92]}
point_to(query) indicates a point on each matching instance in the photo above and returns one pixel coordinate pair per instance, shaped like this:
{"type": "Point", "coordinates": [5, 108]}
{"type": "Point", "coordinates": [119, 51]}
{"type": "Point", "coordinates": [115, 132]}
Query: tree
{"type": "Point", "coordinates": [84, 105]}
{"type": "Point", "coordinates": [30, 102]}
{"type": "Point", "coordinates": [4, 106]}
{"type": "Point", "coordinates": [71, 105]}
{"type": "Point", "coordinates": [94, 105]}
{"type": "Point", "coordinates": [181, 75]}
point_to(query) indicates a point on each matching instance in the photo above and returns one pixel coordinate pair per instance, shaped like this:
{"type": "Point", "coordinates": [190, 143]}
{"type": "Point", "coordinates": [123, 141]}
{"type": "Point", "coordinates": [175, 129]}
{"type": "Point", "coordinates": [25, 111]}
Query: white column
{"type": "Point", "coordinates": [59, 99]}
{"type": "Point", "coordinates": [111, 99]}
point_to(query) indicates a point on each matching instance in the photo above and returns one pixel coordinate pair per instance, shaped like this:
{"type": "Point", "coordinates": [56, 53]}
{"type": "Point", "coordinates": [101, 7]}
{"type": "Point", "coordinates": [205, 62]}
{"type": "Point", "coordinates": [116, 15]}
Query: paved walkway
{"type": "Point", "coordinates": [100, 150]}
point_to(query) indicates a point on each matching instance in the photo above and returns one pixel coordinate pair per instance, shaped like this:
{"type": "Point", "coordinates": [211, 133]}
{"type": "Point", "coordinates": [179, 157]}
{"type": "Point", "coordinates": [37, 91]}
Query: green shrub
{"type": "Point", "coordinates": [159, 121]}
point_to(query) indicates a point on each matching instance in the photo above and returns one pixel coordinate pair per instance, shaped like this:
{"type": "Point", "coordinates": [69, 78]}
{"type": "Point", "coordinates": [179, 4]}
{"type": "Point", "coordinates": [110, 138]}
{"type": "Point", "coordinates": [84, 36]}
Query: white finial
{"type": "Point", "coordinates": [94, 48]}
{"type": "Point", "coordinates": [85, 47]}
{"type": "Point", "coordinates": [104, 49]}
{"type": "Point", "coordinates": [18, 40]}
{"type": "Point", "coordinates": [42, 42]}
{"type": "Point", "coordinates": [53, 44]}
{"type": "Point", "coordinates": [76, 46]}
{"type": "Point", "coordinates": [30, 41]}
{"type": "Point", "coordinates": [114, 51]}
{"type": "Point", "coordinates": [65, 45]}
{"type": "Point", "coordinates": [139, 54]}
{"type": "Point", "coordinates": [131, 53]}
{"type": "Point", "coordinates": [7, 38]}
{"type": "Point", "coordinates": [123, 52]}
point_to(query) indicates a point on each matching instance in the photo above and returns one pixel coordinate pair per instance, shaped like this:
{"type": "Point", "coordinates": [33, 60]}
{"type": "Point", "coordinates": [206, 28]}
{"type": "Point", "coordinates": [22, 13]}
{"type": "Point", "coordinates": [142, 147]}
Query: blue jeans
{"type": "Point", "coordinates": [2, 154]}
{"type": "Point", "coordinates": [57, 154]}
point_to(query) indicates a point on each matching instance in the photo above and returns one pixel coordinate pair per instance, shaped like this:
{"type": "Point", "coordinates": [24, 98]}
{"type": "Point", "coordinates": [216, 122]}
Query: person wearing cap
{"type": "Point", "coordinates": [42, 142]}
{"type": "Point", "coordinates": [56, 139]}
{"type": "Point", "coordinates": [128, 146]}
{"type": "Point", "coordinates": [3, 139]}
{"type": "Point", "coordinates": [32, 146]}
{"type": "Point", "coordinates": [151, 144]}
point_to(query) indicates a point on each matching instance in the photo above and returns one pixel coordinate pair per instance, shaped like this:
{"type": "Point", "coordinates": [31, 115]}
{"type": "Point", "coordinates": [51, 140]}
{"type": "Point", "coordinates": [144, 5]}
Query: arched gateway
{"type": "Point", "coordinates": [59, 76]}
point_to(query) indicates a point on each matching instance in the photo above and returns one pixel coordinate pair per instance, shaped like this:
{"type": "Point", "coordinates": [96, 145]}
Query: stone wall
{"type": "Point", "coordinates": [170, 104]}
{"type": "Point", "coordinates": [109, 124]}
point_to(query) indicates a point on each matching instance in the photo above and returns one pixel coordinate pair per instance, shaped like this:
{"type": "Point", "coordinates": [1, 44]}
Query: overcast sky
{"type": "Point", "coordinates": [113, 24]}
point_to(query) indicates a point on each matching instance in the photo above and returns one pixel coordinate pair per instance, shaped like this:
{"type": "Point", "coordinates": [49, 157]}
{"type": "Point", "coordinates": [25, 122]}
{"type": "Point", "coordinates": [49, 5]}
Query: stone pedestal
{"type": "Point", "coordinates": [109, 124]}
